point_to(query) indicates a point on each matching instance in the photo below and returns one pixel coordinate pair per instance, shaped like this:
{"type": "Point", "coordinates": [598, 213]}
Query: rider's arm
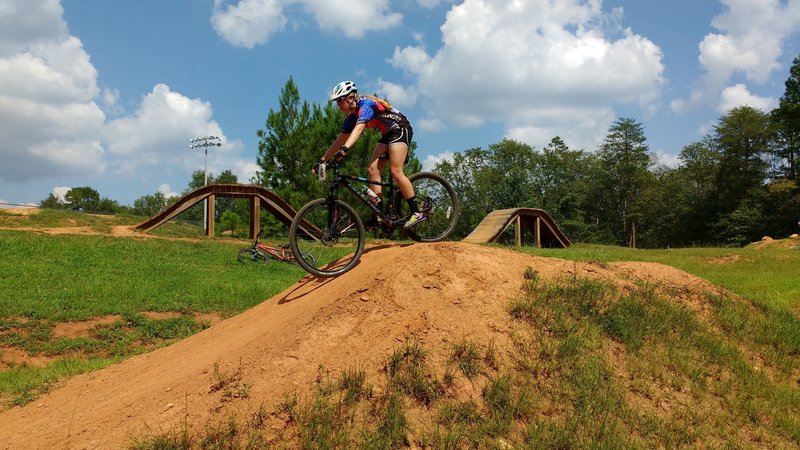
{"type": "Point", "coordinates": [335, 146]}
{"type": "Point", "coordinates": [353, 138]}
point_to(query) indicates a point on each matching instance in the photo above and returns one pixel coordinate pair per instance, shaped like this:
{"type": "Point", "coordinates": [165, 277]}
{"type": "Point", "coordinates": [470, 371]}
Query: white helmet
{"type": "Point", "coordinates": [342, 89]}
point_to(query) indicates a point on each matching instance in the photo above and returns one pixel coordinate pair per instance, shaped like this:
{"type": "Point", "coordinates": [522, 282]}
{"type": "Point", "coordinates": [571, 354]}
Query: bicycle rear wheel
{"type": "Point", "coordinates": [251, 256]}
{"type": "Point", "coordinates": [438, 200]}
{"type": "Point", "coordinates": [327, 240]}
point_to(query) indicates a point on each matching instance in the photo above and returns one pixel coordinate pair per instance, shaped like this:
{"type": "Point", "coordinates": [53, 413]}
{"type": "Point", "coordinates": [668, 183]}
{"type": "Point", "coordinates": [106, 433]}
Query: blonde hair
{"type": "Point", "coordinates": [385, 103]}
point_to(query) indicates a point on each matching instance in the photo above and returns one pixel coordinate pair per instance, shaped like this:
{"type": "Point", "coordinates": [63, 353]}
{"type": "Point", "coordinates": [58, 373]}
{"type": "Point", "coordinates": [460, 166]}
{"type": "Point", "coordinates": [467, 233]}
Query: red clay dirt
{"type": "Point", "coordinates": [436, 294]}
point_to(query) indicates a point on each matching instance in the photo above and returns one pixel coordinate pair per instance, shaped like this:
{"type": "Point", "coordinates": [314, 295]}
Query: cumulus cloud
{"type": "Point", "coordinates": [247, 23]}
{"type": "Point", "coordinates": [53, 114]}
{"type": "Point", "coordinates": [48, 118]}
{"type": "Point", "coordinates": [432, 160]}
{"type": "Point", "coordinates": [23, 23]}
{"type": "Point", "coordinates": [739, 95]}
{"type": "Point", "coordinates": [540, 66]}
{"type": "Point", "coordinates": [749, 40]}
{"type": "Point", "coordinates": [398, 95]}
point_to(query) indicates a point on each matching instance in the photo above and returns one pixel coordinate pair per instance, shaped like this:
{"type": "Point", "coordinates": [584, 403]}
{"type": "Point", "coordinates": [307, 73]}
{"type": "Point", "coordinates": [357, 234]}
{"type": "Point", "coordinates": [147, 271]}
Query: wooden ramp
{"type": "Point", "coordinates": [258, 195]}
{"type": "Point", "coordinates": [545, 231]}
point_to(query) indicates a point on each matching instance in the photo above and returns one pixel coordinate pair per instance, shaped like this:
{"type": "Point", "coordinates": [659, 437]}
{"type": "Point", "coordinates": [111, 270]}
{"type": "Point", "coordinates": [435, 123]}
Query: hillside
{"type": "Point", "coordinates": [436, 294]}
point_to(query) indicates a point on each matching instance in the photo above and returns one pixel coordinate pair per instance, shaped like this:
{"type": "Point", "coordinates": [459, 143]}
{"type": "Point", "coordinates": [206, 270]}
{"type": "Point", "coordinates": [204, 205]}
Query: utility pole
{"type": "Point", "coordinates": [205, 142]}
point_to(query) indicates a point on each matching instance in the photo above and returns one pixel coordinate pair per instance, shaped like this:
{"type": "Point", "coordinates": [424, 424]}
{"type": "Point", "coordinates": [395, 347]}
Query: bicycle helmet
{"type": "Point", "coordinates": [342, 89]}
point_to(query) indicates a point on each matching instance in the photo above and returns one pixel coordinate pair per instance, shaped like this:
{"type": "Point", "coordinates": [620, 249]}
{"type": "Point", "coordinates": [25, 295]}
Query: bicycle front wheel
{"type": "Point", "coordinates": [438, 200]}
{"type": "Point", "coordinates": [251, 256]}
{"type": "Point", "coordinates": [327, 239]}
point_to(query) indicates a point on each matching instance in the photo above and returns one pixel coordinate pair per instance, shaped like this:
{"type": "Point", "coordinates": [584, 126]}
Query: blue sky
{"type": "Point", "coordinates": [107, 94]}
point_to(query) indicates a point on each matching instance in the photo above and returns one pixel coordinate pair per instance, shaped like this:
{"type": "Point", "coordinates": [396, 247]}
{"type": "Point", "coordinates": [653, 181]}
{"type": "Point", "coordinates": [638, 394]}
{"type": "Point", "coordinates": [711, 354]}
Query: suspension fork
{"type": "Point", "coordinates": [333, 211]}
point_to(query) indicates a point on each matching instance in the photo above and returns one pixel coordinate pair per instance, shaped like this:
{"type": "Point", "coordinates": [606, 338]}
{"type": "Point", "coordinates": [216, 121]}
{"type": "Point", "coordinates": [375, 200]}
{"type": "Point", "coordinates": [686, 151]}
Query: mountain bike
{"type": "Point", "coordinates": [261, 253]}
{"type": "Point", "coordinates": [333, 232]}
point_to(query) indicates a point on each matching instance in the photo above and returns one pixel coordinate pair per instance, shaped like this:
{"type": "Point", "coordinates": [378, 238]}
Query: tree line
{"type": "Point", "coordinates": [731, 187]}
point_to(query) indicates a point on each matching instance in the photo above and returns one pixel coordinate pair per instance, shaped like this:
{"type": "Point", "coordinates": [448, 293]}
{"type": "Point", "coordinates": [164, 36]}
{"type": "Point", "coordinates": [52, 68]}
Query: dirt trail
{"type": "Point", "coordinates": [435, 293]}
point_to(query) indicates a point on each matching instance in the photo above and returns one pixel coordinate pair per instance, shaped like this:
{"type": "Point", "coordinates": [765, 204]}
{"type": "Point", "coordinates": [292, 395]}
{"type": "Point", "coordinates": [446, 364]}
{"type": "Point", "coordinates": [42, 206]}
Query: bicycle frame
{"type": "Point", "coordinates": [386, 214]}
{"type": "Point", "coordinates": [279, 253]}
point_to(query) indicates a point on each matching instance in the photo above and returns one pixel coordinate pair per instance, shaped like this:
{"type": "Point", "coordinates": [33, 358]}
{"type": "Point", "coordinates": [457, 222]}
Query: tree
{"type": "Point", "coordinates": [741, 138]}
{"type": "Point", "coordinates": [52, 202]}
{"type": "Point", "coordinates": [83, 199]}
{"type": "Point", "coordinates": [466, 172]}
{"type": "Point", "coordinates": [561, 183]}
{"type": "Point", "coordinates": [508, 177]}
{"type": "Point", "coordinates": [285, 149]}
{"type": "Point", "coordinates": [787, 122]}
{"type": "Point", "coordinates": [149, 205]}
{"type": "Point", "coordinates": [230, 221]}
{"type": "Point", "coordinates": [624, 164]}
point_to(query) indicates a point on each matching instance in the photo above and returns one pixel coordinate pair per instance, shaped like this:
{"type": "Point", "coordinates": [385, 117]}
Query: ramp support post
{"type": "Point", "coordinates": [518, 231]}
{"type": "Point", "coordinates": [210, 216]}
{"type": "Point", "coordinates": [537, 231]}
{"type": "Point", "coordinates": [255, 215]}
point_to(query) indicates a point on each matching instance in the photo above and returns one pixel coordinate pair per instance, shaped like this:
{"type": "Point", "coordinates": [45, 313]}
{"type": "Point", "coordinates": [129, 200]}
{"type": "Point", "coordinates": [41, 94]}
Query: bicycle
{"type": "Point", "coordinates": [334, 233]}
{"type": "Point", "coordinates": [258, 252]}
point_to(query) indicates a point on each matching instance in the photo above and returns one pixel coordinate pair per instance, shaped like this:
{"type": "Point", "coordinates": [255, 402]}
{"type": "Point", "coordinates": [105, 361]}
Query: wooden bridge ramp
{"type": "Point", "coordinates": [536, 221]}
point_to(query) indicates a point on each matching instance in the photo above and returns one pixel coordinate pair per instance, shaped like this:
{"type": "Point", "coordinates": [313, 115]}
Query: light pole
{"type": "Point", "coordinates": [205, 142]}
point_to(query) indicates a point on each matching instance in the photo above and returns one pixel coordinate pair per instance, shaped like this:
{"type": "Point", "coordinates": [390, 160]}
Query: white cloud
{"type": "Point", "coordinates": [739, 95]}
{"type": "Point", "coordinates": [48, 117]}
{"type": "Point", "coordinates": [522, 62]}
{"type": "Point", "coordinates": [668, 159]}
{"type": "Point", "coordinates": [431, 160]}
{"type": "Point", "coordinates": [52, 124]}
{"type": "Point", "coordinates": [245, 170]}
{"type": "Point", "coordinates": [248, 23]}
{"type": "Point", "coordinates": [60, 192]}
{"type": "Point", "coordinates": [167, 191]}
{"type": "Point", "coordinates": [430, 124]}
{"type": "Point", "coordinates": [165, 120]}
{"type": "Point", "coordinates": [749, 41]}
{"type": "Point", "coordinates": [353, 18]}
{"type": "Point", "coordinates": [23, 23]}
{"type": "Point", "coordinates": [398, 95]}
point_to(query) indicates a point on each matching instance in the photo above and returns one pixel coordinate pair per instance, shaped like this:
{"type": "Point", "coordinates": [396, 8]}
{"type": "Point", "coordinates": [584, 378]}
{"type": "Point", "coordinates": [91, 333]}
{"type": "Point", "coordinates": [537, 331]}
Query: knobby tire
{"type": "Point", "coordinates": [327, 250]}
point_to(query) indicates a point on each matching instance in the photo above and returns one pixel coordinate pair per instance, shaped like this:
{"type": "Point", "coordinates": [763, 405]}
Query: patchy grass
{"type": "Point", "coordinates": [767, 276]}
{"type": "Point", "coordinates": [593, 367]}
{"type": "Point", "coordinates": [48, 279]}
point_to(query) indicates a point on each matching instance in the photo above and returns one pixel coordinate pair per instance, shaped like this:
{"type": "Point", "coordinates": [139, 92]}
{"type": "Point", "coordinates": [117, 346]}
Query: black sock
{"type": "Point", "coordinates": [412, 204]}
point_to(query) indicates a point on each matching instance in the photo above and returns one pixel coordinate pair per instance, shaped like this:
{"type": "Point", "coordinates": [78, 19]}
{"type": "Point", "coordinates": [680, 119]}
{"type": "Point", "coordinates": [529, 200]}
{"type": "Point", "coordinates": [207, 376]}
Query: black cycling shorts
{"type": "Point", "coordinates": [394, 136]}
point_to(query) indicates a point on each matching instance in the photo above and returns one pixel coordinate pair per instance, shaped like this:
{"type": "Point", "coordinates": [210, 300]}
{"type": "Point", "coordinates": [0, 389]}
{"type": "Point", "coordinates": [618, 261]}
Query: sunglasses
{"type": "Point", "coordinates": [340, 100]}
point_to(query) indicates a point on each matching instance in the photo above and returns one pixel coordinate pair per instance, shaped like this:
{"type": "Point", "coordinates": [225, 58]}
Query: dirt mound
{"type": "Point", "coordinates": [792, 242]}
{"type": "Point", "coordinates": [436, 294]}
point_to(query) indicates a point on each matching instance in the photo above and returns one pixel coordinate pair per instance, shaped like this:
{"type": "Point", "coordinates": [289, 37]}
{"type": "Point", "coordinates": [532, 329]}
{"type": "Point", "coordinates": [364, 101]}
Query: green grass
{"type": "Point", "coordinates": [57, 218]}
{"type": "Point", "coordinates": [591, 366]}
{"type": "Point", "coordinates": [768, 276]}
{"type": "Point", "coordinates": [46, 279]}
{"type": "Point", "coordinates": [73, 277]}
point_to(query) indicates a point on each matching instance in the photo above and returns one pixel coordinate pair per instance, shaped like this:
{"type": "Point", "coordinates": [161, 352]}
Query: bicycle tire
{"type": "Point", "coordinates": [438, 200]}
{"type": "Point", "coordinates": [327, 250]}
{"type": "Point", "coordinates": [308, 257]}
{"type": "Point", "coordinates": [248, 255]}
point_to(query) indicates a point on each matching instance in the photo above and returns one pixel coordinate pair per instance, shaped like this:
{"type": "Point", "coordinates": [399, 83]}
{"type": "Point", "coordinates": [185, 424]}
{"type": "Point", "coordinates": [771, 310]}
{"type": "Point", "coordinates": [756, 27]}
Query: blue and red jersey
{"type": "Point", "coordinates": [375, 115]}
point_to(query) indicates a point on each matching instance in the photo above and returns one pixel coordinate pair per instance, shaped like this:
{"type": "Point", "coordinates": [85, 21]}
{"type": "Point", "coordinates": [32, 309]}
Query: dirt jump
{"type": "Point", "coordinates": [434, 293]}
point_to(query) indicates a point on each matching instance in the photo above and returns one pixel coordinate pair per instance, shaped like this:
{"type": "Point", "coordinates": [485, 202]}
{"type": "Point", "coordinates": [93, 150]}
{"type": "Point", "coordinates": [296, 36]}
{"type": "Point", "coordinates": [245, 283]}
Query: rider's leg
{"type": "Point", "coordinates": [376, 166]}
{"type": "Point", "coordinates": [397, 159]}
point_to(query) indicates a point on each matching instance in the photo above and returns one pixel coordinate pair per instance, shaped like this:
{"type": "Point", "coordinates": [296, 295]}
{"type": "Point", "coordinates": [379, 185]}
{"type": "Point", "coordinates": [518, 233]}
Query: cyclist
{"type": "Point", "coordinates": [393, 146]}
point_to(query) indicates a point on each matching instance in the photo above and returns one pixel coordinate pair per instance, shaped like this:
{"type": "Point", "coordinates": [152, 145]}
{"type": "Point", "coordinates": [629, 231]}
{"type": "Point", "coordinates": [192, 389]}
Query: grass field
{"type": "Point", "coordinates": [669, 353]}
{"type": "Point", "coordinates": [768, 275]}
{"type": "Point", "coordinates": [49, 279]}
